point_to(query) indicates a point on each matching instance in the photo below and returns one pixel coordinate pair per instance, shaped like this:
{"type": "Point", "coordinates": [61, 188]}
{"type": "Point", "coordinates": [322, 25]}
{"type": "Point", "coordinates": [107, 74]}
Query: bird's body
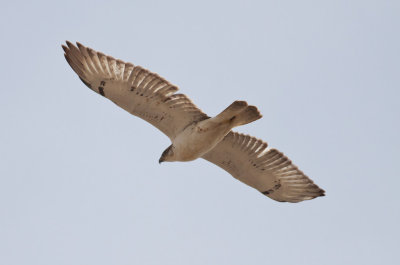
{"type": "Point", "coordinates": [200, 137]}
{"type": "Point", "coordinates": [192, 133]}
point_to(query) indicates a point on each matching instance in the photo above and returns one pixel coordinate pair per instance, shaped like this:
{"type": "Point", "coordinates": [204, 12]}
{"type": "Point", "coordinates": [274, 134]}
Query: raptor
{"type": "Point", "coordinates": [193, 134]}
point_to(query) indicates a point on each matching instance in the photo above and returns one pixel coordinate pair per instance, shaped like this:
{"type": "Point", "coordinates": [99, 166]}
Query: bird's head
{"type": "Point", "coordinates": [167, 155]}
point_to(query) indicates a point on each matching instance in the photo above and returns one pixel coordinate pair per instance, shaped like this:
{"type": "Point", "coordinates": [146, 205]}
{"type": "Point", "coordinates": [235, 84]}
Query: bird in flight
{"type": "Point", "coordinates": [193, 134]}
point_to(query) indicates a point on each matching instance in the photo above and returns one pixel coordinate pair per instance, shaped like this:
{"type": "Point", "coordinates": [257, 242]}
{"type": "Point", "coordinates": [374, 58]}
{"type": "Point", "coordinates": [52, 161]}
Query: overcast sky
{"type": "Point", "coordinates": [80, 181]}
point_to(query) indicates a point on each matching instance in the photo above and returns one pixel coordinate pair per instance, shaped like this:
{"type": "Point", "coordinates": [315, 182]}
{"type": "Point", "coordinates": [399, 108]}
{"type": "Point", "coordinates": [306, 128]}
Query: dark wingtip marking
{"type": "Point", "coordinates": [80, 45]}
{"type": "Point", "coordinates": [65, 48]}
{"type": "Point", "coordinates": [69, 44]}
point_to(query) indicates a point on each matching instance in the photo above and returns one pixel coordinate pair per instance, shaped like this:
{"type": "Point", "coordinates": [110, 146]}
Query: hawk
{"type": "Point", "coordinates": [193, 134]}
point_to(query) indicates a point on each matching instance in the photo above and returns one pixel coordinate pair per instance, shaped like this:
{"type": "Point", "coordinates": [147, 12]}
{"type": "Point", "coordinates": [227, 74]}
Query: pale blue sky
{"type": "Point", "coordinates": [80, 181]}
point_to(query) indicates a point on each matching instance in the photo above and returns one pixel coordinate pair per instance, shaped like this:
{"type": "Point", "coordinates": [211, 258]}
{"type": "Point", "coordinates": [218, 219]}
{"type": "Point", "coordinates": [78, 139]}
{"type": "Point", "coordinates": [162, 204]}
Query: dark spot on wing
{"type": "Point", "coordinates": [132, 88]}
{"type": "Point", "coordinates": [103, 83]}
{"type": "Point", "coordinates": [101, 91]}
{"type": "Point", "coordinates": [275, 188]}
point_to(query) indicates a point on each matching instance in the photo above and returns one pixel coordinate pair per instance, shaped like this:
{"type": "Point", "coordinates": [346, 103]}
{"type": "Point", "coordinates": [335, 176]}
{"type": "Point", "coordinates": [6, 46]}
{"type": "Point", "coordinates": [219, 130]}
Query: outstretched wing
{"type": "Point", "coordinates": [135, 89]}
{"type": "Point", "coordinates": [269, 171]}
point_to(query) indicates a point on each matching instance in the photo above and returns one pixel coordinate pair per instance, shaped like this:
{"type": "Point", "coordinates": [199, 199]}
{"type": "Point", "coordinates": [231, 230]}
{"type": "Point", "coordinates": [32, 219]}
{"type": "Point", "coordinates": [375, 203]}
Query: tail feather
{"type": "Point", "coordinates": [238, 113]}
{"type": "Point", "coordinates": [234, 109]}
{"type": "Point", "coordinates": [246, 116]}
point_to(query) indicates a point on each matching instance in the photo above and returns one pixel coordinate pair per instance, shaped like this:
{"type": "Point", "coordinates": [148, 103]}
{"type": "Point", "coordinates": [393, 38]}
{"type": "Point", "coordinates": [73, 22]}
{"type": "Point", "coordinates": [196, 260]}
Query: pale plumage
{"type": "Point", "coordinates": [193, 134]}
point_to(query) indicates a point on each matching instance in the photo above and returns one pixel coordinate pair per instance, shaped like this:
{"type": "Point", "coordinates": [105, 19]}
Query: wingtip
{"type": "Point", "coordinates": [79, 45]}
{"type": "Point", "coordinates": [321, 191]}
{"type": "Point", "coordinates": [65, 48]}
{"type": "Point", "coordinates": [320, 194]}
{"type": "Point", "coordinates": [69, 44]}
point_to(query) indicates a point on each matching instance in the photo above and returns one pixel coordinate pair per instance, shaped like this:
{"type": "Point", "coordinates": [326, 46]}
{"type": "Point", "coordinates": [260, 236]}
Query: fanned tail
{"type": "Point", "coordinates": [238, 113]}
{"type": "Point", "coordinates": [249, 114]}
